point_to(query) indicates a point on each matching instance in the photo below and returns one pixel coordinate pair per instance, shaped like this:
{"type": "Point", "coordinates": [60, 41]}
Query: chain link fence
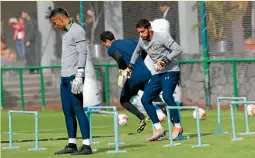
{"type": "Point", "coordinates": [230, 27]}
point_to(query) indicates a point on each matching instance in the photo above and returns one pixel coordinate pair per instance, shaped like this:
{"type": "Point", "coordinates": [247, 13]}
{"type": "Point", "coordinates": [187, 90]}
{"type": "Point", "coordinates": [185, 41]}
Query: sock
{"type": "Point", "coordinates": [177, 125]}
{"type": "Point", "coordinates": [72, 140]}
{"type": "Point", "coordinates": [85, 142]}
{"type": "Point", "coordinates": [157, 125]}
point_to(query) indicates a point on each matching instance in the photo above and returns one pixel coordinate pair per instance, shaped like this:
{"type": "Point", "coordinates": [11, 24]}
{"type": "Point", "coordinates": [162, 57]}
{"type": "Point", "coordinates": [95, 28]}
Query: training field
{"type": "Point", "coordinates": [52, 132]}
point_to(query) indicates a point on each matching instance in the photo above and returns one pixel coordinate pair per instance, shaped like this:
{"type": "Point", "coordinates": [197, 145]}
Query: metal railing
{"type": "Point", "coordinates": [106, 79]}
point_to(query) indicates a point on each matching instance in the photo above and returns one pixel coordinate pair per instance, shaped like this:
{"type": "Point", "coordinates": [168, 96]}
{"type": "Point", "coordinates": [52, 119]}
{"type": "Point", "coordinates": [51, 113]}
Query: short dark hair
{"type": "Point", "coordinates": [143, 23]}
{"type": "Point", "coordinates": [26, 11]}
{"type": "Point", "coordinates": [107, 35]}
{"type": "Point", "coordinates": [58, 11]}
{"type": "Point", "coordinates": [163, 4]}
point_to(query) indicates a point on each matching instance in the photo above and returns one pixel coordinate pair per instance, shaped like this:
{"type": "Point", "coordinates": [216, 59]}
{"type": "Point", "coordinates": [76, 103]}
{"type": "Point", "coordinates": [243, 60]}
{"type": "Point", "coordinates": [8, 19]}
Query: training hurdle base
{"type": "Point", "coordinates": [36, 148]}
{"type": "Point", "coordinates": [181, 136]}
{"type": "Point", "coordinates": [219, 99]}
{"type": "Point", "coordinates": [170, 126]}
{"type": "Point", "coordinates": [114, 112]}
{"type": "Point", "coordinates": [234, 137]}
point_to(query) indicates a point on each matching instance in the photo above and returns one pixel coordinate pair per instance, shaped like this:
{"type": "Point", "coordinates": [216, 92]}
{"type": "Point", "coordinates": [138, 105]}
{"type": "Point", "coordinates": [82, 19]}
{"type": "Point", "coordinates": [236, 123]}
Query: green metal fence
{"type": "Point", "coordinates": [106, 79]}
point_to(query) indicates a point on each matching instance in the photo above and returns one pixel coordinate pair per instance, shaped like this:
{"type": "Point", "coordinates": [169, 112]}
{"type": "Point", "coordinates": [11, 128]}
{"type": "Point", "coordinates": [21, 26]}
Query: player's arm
{"type": "Point", "coordinates": [115, 54]}
{"type": "Point", "coordinates": [143, 53]}
{"type": "Point", "coordinates": [135, 55]}
{"type": "Point", "coordinates": [81, 46]}
{"type": "Point", "coordinates": [174, 50]}
{"type": "Point", "coordinates": [170, 44]}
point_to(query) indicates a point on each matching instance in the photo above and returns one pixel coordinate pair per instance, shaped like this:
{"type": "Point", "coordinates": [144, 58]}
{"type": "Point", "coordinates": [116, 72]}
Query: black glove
{"type": "Point", "coordinates": [130, 66]}
{"type": "Point", "coordinates": [164, 62]}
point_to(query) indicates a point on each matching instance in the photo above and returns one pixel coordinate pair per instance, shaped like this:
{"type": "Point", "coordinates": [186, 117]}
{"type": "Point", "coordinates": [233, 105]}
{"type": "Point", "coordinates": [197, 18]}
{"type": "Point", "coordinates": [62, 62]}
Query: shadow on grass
{"type": "Point", "coordinates": [121, 147]}
{"type": "Point", "coordinates": [55, 139]}
{"type": "Point", "coordinates": [188, 136]}
{"type": "Point", "coordinates": [195, 135]}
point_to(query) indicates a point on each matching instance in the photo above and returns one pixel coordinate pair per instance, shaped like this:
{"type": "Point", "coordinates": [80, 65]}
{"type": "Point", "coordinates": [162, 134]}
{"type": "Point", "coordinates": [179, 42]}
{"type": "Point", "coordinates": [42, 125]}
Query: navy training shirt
{"type": "Point", "coordinates": [122, 51]}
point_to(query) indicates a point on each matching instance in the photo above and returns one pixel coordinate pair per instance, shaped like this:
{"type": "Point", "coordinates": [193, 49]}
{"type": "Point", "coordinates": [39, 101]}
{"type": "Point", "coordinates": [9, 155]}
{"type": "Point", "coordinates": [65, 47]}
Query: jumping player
{"type": "Point", "coordinates": [163, 50]}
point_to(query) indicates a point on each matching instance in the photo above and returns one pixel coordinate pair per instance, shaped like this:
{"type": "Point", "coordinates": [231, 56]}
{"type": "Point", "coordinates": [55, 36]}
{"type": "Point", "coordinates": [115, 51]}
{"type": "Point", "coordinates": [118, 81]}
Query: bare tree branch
{"type": "Point", "coordinates": [90, 5]}
{"type": "Point", "coordinates": [96, 10]}
{"type": "Point", "coordinates": [97, 16]}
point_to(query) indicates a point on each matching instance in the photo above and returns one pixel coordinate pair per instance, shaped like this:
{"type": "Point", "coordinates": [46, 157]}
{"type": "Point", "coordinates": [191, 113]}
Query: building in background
{"type": "Point", "coordinates": [121, 18]}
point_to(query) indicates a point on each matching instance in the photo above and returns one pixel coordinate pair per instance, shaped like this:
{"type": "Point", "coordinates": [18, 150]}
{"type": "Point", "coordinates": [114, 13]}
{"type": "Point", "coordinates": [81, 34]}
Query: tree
{"type": "Point", "coordinates": [220, 14]}
{"type": "Point", "coordinates": [96, 13]}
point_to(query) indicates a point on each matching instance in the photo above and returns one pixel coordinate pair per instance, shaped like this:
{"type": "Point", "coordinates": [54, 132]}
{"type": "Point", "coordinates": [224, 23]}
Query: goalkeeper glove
{"type": "Point", "coordinates": [77, 83]}
{"type": "Point", "coordinates": [122, 78]}
{"type": "Point", "coordinates": [161, 64]}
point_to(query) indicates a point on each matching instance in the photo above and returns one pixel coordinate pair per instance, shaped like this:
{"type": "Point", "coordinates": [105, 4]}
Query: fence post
{"type": "Point", "coordinates": [2, 90]}
{"type": "Point", "coordinates": [82, 15]}
{"type": "Point", "coordinates": [42, 89]}
{"type": "Point", "coordinates": [234, 81]}
{"type": "Point", "coordinates": [205, 55]}
{"type": "Point", "coordinates": [107, 89]}
{"type": "Point", "coordinates": [22, 104]}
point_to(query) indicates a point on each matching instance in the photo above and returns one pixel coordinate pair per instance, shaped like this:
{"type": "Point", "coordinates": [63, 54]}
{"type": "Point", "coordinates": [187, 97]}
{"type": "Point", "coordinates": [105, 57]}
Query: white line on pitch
{"type": "Point", "coordinates": [49, 130]}
{"type": "Point", "coordinates": [185, 115]}
{"type": "Point", "coordinates": [203, 133]}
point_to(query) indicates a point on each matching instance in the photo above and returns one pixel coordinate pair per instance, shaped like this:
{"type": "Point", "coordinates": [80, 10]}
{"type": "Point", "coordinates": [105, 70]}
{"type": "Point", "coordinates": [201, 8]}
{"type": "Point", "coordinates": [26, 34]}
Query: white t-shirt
{"type": "Point", "coordinates": [19, 35]}
{"type": "Point", "coordinates": [161, 25]}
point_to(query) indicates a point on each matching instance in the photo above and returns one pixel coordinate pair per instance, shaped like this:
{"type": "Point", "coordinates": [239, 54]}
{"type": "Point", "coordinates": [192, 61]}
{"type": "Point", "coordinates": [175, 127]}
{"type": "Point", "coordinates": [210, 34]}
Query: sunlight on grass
{"type": "Point", "coordinates": [52, 127]}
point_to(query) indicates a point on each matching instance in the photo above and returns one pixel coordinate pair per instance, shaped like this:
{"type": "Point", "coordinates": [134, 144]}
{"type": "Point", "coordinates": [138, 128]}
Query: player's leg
{"type": "Point", "coordinates": [77, 106]}
{"type": "Point", "coordinates": [133, 90]}
{"type": "Point", "coordinates": [169, 80]}
{"type": "Point", "coordinates": [125, 103]}
{"type": "Point", "coordinates": [151, 91]}
{"type": "Point", "coordinates": [161, 106]}
{"type": "Point", "coordinates": [70, 120]}
{"type": "Point", "coordinates": [128, 91]}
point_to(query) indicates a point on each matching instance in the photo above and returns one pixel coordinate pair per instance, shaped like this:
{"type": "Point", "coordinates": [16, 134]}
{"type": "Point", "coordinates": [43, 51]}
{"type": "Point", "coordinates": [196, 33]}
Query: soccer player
{"type": "Point", "coordinates": [163, 50]}
{"type": "Point", "coordinates": [73, 61]}
{"type": "Point", "coordinates": [121, 51]}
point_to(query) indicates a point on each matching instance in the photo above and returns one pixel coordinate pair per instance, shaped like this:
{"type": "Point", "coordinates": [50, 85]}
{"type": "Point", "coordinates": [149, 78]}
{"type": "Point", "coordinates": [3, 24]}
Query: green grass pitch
{"type": "Point", "coordinates": [52, 127]}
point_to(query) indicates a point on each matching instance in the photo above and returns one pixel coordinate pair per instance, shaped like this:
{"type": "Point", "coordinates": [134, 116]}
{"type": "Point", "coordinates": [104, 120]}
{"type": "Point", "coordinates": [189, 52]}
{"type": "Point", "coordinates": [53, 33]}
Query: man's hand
{"type": "Point", "coordinates": [128, 70]}
{"type": "Point", "coordinates": [161, 64]}
{"type": "Point", "coordinates": [77, 83]}
{"type": "Point", "coordinates": [28, 44]}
